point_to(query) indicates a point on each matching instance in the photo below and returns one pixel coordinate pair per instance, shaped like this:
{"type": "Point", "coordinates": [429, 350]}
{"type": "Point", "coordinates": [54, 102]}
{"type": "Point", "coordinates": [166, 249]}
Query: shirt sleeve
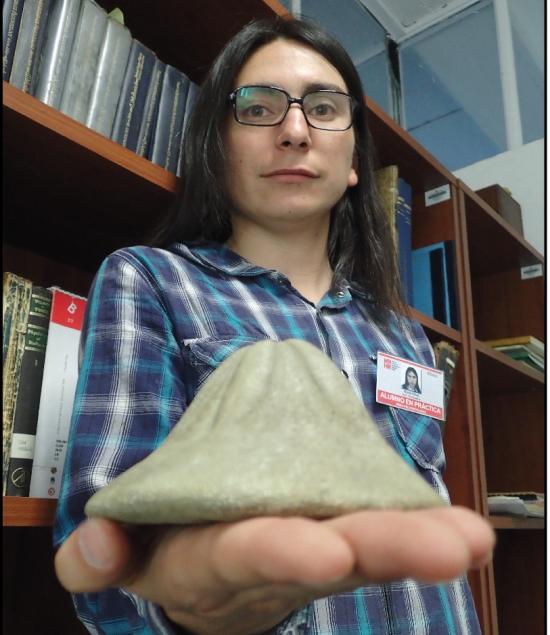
{"type": "Point", "coordinates": [129, 395]}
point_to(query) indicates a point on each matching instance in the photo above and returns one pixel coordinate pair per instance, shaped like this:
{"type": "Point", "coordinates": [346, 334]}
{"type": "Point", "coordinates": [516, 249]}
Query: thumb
{"type": "Point", "coordinates": [97, 555]}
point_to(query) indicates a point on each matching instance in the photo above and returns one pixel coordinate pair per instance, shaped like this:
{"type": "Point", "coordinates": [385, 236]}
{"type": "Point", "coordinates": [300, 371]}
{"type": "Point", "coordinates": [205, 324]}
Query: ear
{"type": "Point", "coordinates": [353, 178]}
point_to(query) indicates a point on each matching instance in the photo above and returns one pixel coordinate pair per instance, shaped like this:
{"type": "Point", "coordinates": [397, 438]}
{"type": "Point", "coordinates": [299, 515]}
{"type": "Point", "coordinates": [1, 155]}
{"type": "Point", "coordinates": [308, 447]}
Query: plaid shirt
{"type": "Point", "coordinates": [158, 322]}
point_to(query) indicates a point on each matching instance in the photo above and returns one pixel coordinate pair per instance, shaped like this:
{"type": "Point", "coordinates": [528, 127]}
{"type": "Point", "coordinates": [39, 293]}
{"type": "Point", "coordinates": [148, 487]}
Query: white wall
{"type": "Point", "coordinates": [522, 171]}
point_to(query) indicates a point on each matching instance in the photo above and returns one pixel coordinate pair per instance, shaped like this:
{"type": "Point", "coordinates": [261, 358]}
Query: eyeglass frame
{"type": "Point", "coordinates": [292, 100]}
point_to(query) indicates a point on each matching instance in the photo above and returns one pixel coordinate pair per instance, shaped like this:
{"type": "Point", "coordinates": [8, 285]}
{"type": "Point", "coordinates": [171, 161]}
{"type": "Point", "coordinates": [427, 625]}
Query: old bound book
{"type": "Point", "coordinates": [169, 124]}
{"type": "Point", "coordinates": [16, 294]}
{"type": "Point", "coordinates": [135, 87]}
{"type": "Point", "coordinates": [30, 38]}
{"type": "Point", "coordinates": [446, 359]}
{"type": "Point", "coordinates": [28, 394]}
{"type": "Point", "coordinates": [55, 54]}
{"type": "Point", "coordinates": [189, 107]}
{"type": "Point", "coordinates": [83, 61]}
{"type": "Point", "coordinates": [11, 19]}
{"type": "Point", "coordinates": [107, 86]}
{"type": "Point", "coordinates": [151, 110]}
{"type": "Point", "coordinates": [57, 393]}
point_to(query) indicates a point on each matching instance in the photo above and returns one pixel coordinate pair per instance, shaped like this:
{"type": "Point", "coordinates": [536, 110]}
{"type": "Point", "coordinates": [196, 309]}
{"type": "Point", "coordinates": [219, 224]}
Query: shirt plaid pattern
{"type": "Point", "coordinates": [158, 322]}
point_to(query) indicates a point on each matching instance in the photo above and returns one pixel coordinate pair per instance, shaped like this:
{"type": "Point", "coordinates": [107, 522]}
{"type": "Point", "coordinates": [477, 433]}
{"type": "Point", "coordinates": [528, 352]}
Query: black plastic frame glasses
{"type": "Point", "coordinates": [233, 97]}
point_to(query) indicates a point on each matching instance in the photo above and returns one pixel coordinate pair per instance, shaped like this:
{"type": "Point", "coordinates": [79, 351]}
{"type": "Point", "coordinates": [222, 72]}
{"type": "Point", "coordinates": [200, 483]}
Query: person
{"type": "Point", "coordinates": [276, 234]}
{"type": "Point", "coordinates": [411, 380]}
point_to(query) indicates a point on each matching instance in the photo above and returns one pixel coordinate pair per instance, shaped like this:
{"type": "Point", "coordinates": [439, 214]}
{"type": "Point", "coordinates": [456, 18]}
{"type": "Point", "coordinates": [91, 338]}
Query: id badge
{"type": "Point", "coordinates": [410, 386]}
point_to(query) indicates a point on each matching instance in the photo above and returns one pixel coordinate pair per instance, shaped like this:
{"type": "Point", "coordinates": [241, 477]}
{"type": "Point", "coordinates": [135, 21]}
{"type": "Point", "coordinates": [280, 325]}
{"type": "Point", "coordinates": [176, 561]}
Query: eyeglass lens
{"type": "Point", "coordinates": [265, 106]}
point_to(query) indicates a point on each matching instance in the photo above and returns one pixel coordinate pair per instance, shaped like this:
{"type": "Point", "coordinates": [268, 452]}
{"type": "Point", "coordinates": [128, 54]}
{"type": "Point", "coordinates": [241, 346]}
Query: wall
{"type": "Point", "coordinates": [522, 171]}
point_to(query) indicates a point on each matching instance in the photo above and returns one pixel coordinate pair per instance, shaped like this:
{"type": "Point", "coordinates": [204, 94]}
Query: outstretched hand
{"type": "Point", "coordinates": [244, 577]}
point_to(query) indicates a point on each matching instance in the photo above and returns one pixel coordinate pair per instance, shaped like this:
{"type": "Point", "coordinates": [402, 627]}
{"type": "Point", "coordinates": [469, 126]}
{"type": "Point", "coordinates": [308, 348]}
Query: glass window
{"type": "Point", "coordinates": [452, 96]}
{"type": "Point", "coordinates": [362, 37]}
{"type": "Point", "coordinates": [527, 18]}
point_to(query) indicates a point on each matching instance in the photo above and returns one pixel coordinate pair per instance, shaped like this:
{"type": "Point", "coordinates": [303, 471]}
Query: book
{"type": "Point", "coordinates": [17, 292]}
{"type": "Point", "coordinates": [523, 504]}
{"type": "Point", "coordinates": [54, 55]}
{"type": "Point", "coordinates": [27, 401]}
{"type": "Point", "coordinates": [11, 19]}
{"type": "Point", "coordinates": [57, 393]}
{"type": "Point", "coordinates": [135, 86]}
{"type": "Point", "coordinates": [30, 38]}
{"type": "Point", "coordinates": [395, 196]}
{"type": "Point", "coordinates": [171, 114]}
{"type": "Point", "coordinates": [446, 358]}
{"type": "Point", "coordinates": [403, 233]}
{"type": "Point", "coordinates": [530, 342]}
{"type": "Point", "coordinates": [434, 282]}
{"type": "Point", "coordinates": [81, 70]}
{"type": "Point", "coordinates": [189, 106]}
{"type": "Point", "coordinates": [151, 110]}
{"type": "Point", "coordinates": [107, 86]}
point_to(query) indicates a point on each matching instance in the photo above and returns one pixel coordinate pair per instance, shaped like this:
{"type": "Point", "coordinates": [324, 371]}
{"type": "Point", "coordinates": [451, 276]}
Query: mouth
{"type": "Point", "coordinates": [291, 175]}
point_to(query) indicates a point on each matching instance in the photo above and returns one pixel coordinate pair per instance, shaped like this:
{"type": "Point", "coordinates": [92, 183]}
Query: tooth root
{"type": "Point", "coordinates": [275, 430]}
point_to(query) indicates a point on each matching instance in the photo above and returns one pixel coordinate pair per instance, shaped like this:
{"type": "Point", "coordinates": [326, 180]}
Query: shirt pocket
{"type": "Point", "coordinates": [205, 354]}
{"type": "Point", "coordinates": [422, 437]}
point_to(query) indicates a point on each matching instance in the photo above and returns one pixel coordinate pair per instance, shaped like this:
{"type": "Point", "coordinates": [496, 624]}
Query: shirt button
{"type": "Point", "coordinates": [340, 294]}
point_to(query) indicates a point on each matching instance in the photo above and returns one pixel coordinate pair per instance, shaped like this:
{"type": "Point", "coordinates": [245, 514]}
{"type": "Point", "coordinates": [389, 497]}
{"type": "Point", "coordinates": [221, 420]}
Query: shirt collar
{"type": "Point", "coordinates": [219, 257]}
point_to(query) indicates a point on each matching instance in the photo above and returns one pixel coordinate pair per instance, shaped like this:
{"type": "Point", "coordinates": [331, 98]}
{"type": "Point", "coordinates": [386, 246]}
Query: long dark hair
{"type": "Point", "coordinates": [360, 246]}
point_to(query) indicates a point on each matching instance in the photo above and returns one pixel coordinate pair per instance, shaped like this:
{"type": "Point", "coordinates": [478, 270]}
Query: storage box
{"type": "Point", "coordinates": [503, 203]}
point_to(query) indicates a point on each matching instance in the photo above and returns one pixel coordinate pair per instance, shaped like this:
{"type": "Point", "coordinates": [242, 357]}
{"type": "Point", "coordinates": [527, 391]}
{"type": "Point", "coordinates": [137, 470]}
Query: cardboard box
{"type": "Point", "coordinates": [503, 203]}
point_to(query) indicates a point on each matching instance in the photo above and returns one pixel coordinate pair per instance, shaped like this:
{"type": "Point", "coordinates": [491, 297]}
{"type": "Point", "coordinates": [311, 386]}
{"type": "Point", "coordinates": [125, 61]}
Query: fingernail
{"type": "Point", "coordinates": [94, 545]}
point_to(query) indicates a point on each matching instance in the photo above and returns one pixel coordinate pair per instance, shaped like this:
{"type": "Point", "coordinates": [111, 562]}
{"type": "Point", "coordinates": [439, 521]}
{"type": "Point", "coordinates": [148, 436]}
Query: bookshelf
{"type": "Point", "coordinates": [72, 196]}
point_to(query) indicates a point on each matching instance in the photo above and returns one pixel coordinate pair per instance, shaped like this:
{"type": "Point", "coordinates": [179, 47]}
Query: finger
{"type": "Point", "coordinates": [476, 531]}
{"type": "Point", "coordinates": [95, 556]}
{"type": "Point", "coordinates": [390, 545]}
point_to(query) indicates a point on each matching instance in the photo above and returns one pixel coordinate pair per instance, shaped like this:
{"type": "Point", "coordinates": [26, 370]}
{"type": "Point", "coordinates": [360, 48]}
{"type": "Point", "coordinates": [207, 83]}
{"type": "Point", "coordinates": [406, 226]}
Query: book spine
{"type": "Point", "coordinates": [11, 20]}
{"type": "Point", "coordinates": [113, 58]}
{"type": "Point", "coordinates": [439, 284]}
{"type": "Point", "coordinates": [55, 54]}
{"type": "Point", "coordinates": [57, 393]}
{"type": "Point", "coordinates": [422, 282]}
{"type": "Point", "coordinates": [12, 365]}
{"type": "Point", "coordinates": [30, 38]}
{"type": "Point", "coordinates": [451, 293]}
{"type": "Point", "coordinates": [159, 142]}
{"type": "Point", "coordinates": [134, 93]}
{"type": "Point", "coordinates": [28, 394]}
{"type": "Point", "coordinates": [403, 226]}
{"type": "Point", "coordinates": [81, 70]}
{"type": "Point", "coordinates": [189, 106]}
{"type": "Point", "coordinates": [151, 110]}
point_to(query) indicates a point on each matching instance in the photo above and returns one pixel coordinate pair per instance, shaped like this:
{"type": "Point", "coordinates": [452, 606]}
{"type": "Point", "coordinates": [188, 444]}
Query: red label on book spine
{"type": "Point", "coordinates": [67, 309]}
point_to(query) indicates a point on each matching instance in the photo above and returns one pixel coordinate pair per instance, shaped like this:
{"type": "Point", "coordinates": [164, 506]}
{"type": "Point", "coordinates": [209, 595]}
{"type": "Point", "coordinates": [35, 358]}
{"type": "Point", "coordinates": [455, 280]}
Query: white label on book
{"type": "Point", "coordinates": [22, 446]}
{"type": "Point", "coordinates": [531, 271]}
{"type": "Point", "coordinates": [437, 195]}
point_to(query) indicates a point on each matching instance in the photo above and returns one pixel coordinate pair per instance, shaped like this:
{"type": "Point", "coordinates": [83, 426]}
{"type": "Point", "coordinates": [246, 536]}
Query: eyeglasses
{"type": "Point", "coordinates": [268, 106]}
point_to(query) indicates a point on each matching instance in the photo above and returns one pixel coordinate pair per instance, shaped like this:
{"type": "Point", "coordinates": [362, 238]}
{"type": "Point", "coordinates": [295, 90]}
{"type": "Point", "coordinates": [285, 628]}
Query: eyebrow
{"type": "Point", "coordinates": [308, 88]}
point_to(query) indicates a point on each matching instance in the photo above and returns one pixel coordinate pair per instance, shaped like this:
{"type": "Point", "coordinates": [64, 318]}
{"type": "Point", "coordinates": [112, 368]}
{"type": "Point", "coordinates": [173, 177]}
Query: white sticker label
{"type": "Point", "coordinates": [437, 195]}
{"type": "Point", "coordinates": [410, 386]}
{"type": "Point", "coordinates": [532, 271]}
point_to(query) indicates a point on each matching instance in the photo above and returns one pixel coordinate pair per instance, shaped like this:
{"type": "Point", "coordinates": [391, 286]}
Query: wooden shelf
{"type": "Point", "coordinates": [97, 183]}
{"type": "Point", "coordinates": [498, 373]}
{"type": "Point", "coordinates": [495, 246]}
{"type": "Point", "coordinates": [435, 327]}
{"type": "Point", "coordinates": [514, 522]}
{"type": "Point", "coordinates": [19, 511]}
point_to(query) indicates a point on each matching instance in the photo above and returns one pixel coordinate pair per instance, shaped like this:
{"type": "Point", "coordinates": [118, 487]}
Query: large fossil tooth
{"type": "Point", "coordinates": [275, 430]}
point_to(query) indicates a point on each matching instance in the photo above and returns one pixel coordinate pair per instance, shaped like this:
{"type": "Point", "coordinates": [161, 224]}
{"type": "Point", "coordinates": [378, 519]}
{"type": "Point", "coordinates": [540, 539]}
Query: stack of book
{"type": "Point", "coordinates": [523, 504]}
{"type": "Point", "coordinates": [41, 330]}
{"type": "Point", "coordinates": [526, 349]}
{"type": "Point", "coordinates": [73, 56]}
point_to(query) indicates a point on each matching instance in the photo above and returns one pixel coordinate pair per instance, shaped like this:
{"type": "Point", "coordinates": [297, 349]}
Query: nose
{"type": "Point", "coordinates": [294, 129]}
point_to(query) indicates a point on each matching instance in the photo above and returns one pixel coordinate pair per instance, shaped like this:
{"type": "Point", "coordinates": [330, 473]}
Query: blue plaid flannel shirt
{"type": "Point", "coordinates": [158, 322]}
